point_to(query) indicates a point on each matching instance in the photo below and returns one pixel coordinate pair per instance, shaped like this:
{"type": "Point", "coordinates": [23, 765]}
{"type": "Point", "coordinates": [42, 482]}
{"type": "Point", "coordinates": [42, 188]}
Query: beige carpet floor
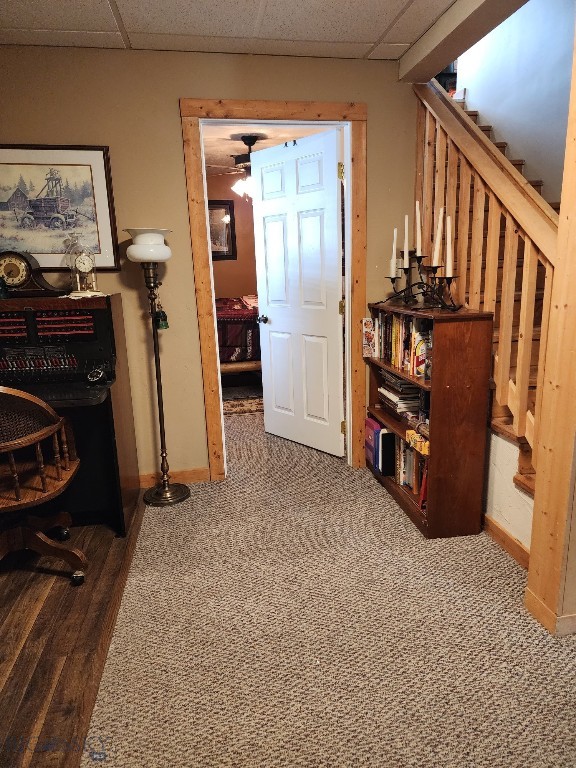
{"type": "Point", "coordinates": [292, 617]}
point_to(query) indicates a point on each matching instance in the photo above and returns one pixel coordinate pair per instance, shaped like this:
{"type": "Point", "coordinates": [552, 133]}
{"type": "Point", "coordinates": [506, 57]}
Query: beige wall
{"type": "Point", "coordinates": [128, 100]}
{"type": "Point", "coordinates": [235, 277]}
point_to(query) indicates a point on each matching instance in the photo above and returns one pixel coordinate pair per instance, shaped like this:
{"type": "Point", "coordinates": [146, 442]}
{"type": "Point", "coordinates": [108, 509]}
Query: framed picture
{"type": "Point", "coordinates": [222, 229]}
{"type": "Point", "coordinates": [47, 193]}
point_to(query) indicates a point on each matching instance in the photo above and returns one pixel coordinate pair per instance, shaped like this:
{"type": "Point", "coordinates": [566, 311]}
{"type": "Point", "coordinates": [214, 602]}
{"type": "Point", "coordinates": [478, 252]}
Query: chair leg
{"type": "Point", "coordinates": [59, 520]}
{"type": "Point", "coordinates": [38, 542]}
{"type": "Point", "coordinates": [6, 544]}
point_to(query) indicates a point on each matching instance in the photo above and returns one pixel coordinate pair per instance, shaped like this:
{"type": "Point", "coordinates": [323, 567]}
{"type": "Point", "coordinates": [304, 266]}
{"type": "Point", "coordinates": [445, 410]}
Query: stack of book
{"type": "Point", "coordinates": [399, 396]}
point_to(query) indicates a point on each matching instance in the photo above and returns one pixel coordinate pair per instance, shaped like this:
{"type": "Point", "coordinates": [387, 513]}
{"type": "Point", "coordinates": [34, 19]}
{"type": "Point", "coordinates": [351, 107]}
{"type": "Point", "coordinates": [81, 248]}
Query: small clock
{"type": "Point", "coordinates": [83, 268]}
{"type": "Point", "coordinates": [84, 263]}
{"type": "Point", "coordinates": [23, 276]}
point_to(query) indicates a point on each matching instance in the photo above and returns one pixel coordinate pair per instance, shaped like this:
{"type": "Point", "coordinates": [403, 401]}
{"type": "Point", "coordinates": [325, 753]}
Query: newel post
{"type": "Point", "coordinates": [551, 591]}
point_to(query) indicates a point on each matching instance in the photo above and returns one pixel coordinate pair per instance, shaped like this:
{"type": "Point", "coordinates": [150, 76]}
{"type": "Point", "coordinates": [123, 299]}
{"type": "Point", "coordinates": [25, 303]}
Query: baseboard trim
{"type": "Point", "coordinates": [566, 625]}
{"type": "Point", "coordinates": [186, 476]}
{"type": "Point", "coordinates": [509, 543]}
{"type": "Point", "coordinates": [559, 626]}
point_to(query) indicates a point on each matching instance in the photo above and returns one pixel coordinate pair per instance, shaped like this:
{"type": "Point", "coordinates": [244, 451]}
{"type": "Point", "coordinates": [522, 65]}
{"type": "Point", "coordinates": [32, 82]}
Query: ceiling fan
{"type": "Point", "coordinates": [243, 187]}
{"type": "Point", "coordinates": [243, 161]}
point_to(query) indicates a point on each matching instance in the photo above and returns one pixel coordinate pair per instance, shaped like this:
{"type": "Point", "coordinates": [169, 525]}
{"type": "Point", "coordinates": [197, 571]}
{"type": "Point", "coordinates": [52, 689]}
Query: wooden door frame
{"type": "Point", "coordinates": [192, 111]}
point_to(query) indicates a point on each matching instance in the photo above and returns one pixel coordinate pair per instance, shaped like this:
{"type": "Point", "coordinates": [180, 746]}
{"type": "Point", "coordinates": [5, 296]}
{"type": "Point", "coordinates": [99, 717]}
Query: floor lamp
{"type": "Point", "coordinates": [148, 248]}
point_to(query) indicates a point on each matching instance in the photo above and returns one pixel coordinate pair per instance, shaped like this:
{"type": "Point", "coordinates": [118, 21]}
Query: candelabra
{"type": "Point", "coordinates": [434, 290]}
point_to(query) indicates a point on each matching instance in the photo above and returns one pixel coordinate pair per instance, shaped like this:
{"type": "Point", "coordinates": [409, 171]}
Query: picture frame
{"type": "Point", "coordinates": [222, 230]}
{"type": "Point", "coordinates": [50, 192]}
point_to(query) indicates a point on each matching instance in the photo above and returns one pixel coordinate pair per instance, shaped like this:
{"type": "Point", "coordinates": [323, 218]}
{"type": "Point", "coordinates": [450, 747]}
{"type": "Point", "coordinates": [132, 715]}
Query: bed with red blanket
{"type": "Point", "coordinates": [238, 333]}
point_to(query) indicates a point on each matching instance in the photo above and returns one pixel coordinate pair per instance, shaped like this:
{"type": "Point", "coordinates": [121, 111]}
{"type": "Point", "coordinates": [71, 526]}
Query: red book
{"type": "Point", "coordinates": [424, 488]}
{"type": "Point", "coordinates": [371, 432]}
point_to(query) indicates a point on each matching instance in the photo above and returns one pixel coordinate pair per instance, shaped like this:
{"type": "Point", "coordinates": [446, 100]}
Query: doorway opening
{"type": "Point", "coordinates": [278, 257]}
{"type": "Point", "coordinates": [198, 117]}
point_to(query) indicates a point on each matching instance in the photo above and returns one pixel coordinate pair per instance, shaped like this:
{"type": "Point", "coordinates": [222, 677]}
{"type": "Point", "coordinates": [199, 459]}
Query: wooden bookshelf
{"type": "Point", "coordinates": [459, 400]}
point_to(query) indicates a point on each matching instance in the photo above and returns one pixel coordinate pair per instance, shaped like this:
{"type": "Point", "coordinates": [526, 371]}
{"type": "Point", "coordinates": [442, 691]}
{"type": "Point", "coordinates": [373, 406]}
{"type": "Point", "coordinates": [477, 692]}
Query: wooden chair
{"type": "Point", "coordinates": [36, 465]}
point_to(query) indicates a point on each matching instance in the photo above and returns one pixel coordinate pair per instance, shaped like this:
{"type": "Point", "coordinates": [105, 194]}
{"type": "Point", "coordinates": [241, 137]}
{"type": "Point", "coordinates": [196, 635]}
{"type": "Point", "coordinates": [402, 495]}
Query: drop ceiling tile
{"type": "Point", "coordinates": [328, 20]}
{"type": "Point", "coordinates": [61, 39]}
{"type": "Point", "coordinates": [220, 18]}
{"type": "Point", "coordinates": [389, 51]}
{"type": "Point", "coordinates": [79, 15]}
{"type": "Point", "coordinates": [249, 45]}
{"type": "Point", "coordinates": [417, 20]}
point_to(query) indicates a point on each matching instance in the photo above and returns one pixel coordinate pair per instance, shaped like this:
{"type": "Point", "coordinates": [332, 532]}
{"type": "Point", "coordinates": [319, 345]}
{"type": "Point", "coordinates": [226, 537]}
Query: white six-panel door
{"type": "Point", "coordinates": [298, 237]}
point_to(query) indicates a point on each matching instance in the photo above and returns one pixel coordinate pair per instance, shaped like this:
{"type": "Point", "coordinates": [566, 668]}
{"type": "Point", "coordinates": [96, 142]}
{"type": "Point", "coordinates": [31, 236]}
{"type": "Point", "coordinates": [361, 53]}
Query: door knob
{"type": "Point", "coordinates": [263, 319]}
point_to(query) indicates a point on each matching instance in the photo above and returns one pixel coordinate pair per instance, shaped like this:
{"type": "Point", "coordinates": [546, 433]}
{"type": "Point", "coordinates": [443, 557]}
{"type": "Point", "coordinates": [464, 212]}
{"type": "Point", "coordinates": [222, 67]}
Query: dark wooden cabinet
{"type": "Point", "coordinates": [50, 347]}
{"type": "Point", "coordinates": [459, 401]}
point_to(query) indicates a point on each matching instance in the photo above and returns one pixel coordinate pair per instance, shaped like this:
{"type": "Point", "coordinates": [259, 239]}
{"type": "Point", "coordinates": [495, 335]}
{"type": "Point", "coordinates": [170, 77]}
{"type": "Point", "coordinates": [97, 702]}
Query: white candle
{"type": "Point", "coordinates": [393, 265]}
{"type": "Point", "coordinates": [449, 256]}
{"type": "Point", "coordinates": [438, 240]}
{"type": "Point", "coordinates": [418, 230]}
{"type": "Point", "coordinates": [406, 257]}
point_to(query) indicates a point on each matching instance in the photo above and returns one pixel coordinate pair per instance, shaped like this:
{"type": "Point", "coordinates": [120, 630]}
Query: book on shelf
{"type": "Point", "coordinates": [405, 342]}
{"type": "Point", "coordinates": [369, 336]}
{"type": "Point", "coordinates": [423, 495]}
{"type": "Point", "coordinates": [400, 394]}
{"type": "Point", "coordinates": [410, 467]}
{"type": "Point", "coordinates": [399, 404]}
{"type": "Point", "coordinates": [386, 452]}
{"type": "Point", "coordinates": [371, 440]}
{"type": "Point", "coordinates": [396, 383]}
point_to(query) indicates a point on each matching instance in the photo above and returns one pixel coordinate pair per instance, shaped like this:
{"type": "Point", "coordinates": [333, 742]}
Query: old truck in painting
{"type": "Point", "coordinates": [53, 209]}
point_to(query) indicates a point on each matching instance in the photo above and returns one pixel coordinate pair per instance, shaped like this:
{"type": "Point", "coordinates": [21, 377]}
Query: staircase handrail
{"type": "Point", "coordinates": [536, 217]}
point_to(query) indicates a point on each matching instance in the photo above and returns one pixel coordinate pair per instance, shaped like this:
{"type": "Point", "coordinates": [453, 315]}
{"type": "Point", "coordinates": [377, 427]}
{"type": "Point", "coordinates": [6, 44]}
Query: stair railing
{"type": "Point", "coordinates": [505, 237]}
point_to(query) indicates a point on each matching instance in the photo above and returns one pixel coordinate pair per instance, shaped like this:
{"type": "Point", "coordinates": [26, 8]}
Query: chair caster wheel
{"type": "Point", "coordinates": [60, 533]}
{"type": "Point", "coordinates": [77, 578]}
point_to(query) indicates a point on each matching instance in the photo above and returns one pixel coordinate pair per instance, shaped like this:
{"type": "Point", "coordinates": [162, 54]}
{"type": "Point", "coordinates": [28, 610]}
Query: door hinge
{"type": "Point", "coordinates": [343, 427]}
{"type": "Point", "coordinates": [341, 171]}
{"type": "Point", "coordinates": [341, 306]}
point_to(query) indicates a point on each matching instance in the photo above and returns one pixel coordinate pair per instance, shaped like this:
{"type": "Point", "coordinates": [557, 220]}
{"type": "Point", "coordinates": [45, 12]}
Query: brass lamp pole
{"type": "Point", "coordinates": [148, 248]}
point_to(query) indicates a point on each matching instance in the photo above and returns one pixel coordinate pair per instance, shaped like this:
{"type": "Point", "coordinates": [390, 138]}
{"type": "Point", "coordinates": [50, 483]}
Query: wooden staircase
{"type": "Point", "coordinates": [504, 242]}
{"type": "Point", "coordinates": [502, 421]}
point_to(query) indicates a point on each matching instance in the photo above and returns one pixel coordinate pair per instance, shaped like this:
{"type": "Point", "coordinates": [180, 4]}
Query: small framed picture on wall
{"type": "Point", "coordinates": [222, 229]}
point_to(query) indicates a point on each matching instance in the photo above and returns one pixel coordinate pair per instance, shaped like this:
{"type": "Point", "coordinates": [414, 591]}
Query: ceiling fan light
{"type": "Point", "coordinates": [249, 186]}
{"type": "Point", "coordinates": [239, 187]}
{"type": "Point", "coordinates": [244, 187]}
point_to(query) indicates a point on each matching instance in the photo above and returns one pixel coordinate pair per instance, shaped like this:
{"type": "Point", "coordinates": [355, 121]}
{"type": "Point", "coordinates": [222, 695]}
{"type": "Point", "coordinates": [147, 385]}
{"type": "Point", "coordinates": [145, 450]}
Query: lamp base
{"type": "Point", "coordinates": [159, 496]}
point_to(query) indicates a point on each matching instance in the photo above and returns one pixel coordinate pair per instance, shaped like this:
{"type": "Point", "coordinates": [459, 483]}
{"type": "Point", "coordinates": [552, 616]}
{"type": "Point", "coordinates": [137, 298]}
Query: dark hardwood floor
{"type": "Point", "coordinates": [54, 638]}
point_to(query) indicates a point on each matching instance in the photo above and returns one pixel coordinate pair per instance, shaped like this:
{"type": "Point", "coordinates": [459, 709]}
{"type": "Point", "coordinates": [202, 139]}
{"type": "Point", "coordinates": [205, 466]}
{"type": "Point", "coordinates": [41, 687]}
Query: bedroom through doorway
{"type": "Point", "coordinates": [227, 154]}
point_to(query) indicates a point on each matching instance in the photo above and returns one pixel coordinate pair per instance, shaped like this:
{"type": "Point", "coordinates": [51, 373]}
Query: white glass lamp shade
{"type": "Point", "coordinates": [244, 187]}
{"type": "Point", "coordinates": [148, 245]}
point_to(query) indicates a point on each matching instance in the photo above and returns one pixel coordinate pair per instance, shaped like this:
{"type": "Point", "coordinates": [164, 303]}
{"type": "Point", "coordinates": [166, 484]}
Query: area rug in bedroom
{"type": "Point", "coordinates": [244, 392]}
{"type": "Point", "coordinates": [246, 405]}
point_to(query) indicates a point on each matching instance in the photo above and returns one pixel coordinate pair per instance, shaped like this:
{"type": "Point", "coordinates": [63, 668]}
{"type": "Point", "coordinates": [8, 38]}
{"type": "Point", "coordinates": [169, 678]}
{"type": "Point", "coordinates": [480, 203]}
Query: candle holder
{"type": "Point", "coordinates": [430, 291]}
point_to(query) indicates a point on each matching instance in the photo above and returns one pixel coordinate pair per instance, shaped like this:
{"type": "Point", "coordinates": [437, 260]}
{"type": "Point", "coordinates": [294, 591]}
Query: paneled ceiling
{"type": "Point", "coordinates": [363, 29]}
